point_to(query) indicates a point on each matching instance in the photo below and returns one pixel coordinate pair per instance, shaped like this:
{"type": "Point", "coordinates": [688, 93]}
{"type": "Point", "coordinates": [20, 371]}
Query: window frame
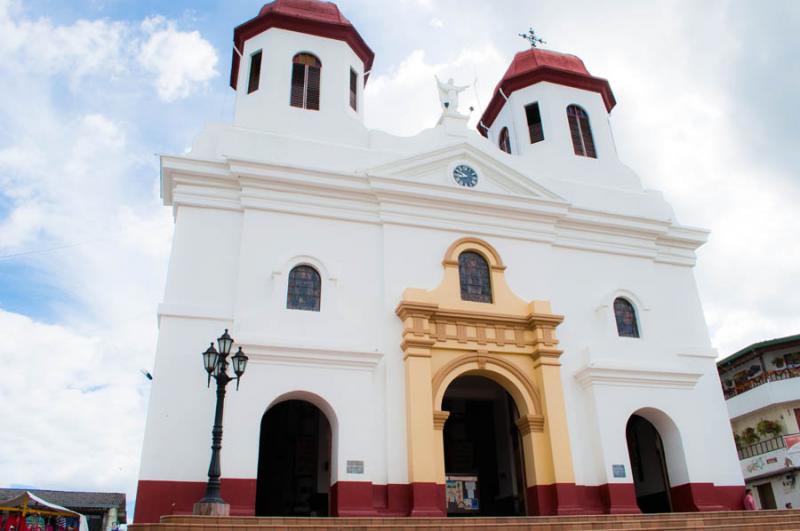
{"type": "Point", "coordinates": [580, 129]}
{"type": "Point", "coordinates": [353, 89]}
{"type": "Point", "coordinates": [637, 326]}
{"type": "Point", "coordinates": [317, 307]}
{"type": "Point", "coordinates": [489, 286]}
{"type": "Point", "coordinates": [254, 75]}
{"type": "Point", "coordinates": [304, 99]}
{"type": "Point", "coordinates": [540, 123]}
{"type": "Point", "coordinates": [504, 140]}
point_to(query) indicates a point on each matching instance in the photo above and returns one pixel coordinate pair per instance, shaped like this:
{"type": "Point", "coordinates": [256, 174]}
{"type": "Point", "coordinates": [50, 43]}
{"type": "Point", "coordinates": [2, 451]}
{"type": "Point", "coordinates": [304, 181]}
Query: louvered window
{"type": "Point", "coordinates": [304, 291]}
{"type": "Point", "coordinates": [306, 70]}
{"type": "Point", "coordinates": [626, 318]}
{"type": "Point", "coordinates": [581, 132]}
{"type": "Point", "coordinates": [353, 89]}
{"type": "Point", "coordinates": [255, 72]}
{"type": "Point", "coordinates": [504, 141]}
{"type": "Point", "coordinates": [473, 272]}
{"type": "Point", "coordinates": [534, 118]}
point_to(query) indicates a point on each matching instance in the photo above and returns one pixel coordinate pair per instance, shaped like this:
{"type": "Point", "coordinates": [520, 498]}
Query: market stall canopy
{"type": "Point", "coordinates": [28, 503]}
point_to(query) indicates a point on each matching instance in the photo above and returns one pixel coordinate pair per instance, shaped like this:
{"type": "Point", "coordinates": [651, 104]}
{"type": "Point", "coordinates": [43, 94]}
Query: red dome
{"type": "Point", "coordinates": [535, 65]}
{"type": "Point", "coordinates": [305, 16]}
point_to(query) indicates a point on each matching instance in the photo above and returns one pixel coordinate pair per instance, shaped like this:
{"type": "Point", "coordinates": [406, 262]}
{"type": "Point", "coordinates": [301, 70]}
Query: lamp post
{"type": "Point", "coordinates": [216, 365]}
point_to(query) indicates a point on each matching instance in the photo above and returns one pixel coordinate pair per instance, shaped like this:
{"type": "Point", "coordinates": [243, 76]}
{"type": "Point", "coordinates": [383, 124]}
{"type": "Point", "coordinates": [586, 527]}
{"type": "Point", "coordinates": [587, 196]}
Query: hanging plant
{"type": "Point", "coordinates": [749, 436]}
{"type": "Point", "coordinates": [769, 427]}
{"type": "Point", "coordinates": [779, 362]}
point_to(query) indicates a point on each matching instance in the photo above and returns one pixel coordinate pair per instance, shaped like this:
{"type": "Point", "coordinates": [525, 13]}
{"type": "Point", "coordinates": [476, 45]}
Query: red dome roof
{"type": "Point", "coordinates": [305, 16]}
{"type": "Point", "coordinates": [535, 65]}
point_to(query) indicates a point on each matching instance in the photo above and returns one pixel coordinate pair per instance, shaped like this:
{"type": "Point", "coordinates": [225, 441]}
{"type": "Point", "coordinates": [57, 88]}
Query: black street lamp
{"type": "Point", "coordinates": [216, 365]}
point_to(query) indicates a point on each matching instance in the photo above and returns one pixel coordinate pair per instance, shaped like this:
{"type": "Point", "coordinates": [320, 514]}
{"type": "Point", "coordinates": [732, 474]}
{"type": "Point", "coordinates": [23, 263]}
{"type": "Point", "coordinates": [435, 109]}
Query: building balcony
{"type": "Point", "coordinates": [761, 447]}
{"type": "Point", "coordinates": [775, 387]}
{"type": "Point", "coordinates": [768, 458]}
{"type": "Point", "coordinates": [771, 376]}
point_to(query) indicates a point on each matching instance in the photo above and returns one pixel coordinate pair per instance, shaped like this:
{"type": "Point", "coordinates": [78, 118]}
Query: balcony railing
{"type": "Point", "coordinates": [762, 447]}
{"type": "Point", "coordinates": [751, 383]}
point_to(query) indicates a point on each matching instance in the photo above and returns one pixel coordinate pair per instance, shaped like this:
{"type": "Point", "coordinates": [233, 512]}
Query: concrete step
{"type": "Point", "coordinates": [744, 520]}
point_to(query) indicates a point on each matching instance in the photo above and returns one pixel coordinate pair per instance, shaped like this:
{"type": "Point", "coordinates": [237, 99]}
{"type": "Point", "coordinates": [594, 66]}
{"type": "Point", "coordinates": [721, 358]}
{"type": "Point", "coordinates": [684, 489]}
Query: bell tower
{"type": "Point", "coordinates": [299, 69]}
{"type": "Point", "coordinates": [548, 104]}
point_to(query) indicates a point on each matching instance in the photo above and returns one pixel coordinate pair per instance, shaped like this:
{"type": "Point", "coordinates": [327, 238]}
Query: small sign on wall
{"type": "Point", "coordinates": [355, 467]}
{"type": "Point", "coordinates": [618, 470]}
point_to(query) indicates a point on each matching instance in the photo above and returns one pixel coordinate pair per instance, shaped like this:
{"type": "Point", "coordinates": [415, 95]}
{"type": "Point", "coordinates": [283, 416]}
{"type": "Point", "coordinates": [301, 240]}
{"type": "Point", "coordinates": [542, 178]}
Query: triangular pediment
{"type": "Point", "coordinates": [435, 168]}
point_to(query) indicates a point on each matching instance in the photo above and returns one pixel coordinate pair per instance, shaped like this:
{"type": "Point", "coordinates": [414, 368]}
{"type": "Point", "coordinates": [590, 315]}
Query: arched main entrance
{"type": "Point", "coordinates": [484, 470]}
{"type": "Point", "coordinates": [294, 461]}
{"type": "Point", "coordinates": [648, 466]}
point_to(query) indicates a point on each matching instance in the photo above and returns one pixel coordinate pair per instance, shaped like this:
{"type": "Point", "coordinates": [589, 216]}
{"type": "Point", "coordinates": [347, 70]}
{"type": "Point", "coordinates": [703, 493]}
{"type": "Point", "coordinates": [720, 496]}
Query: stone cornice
{"type": "Point", "coordinates": [629, 375]}
{"type": "Point", "coordinates": [234, 184]}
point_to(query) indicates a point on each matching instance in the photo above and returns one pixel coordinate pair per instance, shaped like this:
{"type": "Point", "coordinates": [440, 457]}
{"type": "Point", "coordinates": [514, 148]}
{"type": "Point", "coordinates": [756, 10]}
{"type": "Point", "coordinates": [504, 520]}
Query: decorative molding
{"type": "Point", "coordinates": [487, 362]}
{"type": "Point", "coordinates": [185, 311]}
{"type": "Point", "coordinates": [712, 354]}
{"type": "Point", "coordinates": [439, 419]}
{"type": "Point", "coordinates": [386, 195]}
{"type": "Point", "coordinates": [629, 375]}
{"type": "Point", "coordinates": [262, 351]}
{"type": "Point", "coordinates": [530, 423]}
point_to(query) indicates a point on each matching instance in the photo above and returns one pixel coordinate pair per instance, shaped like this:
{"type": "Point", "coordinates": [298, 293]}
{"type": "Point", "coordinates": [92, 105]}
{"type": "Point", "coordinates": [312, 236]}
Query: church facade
{"type": "Point", "coordinates": [493, 322]}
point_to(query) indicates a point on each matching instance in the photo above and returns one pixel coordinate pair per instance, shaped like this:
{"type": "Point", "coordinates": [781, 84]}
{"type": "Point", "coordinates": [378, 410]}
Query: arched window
{"type": "Point", "coordinates": [306, 70]}
{"type": "Point", "coordinates": [473, 272]}
{"type": "Point", "coordinates": [626, 318]}
{"type": "Point", "coordinates": [304, 291]}
{"type": "Point", "coordinates": [582, 141]}
{"type": "Point", "coordinates": [504, 141]}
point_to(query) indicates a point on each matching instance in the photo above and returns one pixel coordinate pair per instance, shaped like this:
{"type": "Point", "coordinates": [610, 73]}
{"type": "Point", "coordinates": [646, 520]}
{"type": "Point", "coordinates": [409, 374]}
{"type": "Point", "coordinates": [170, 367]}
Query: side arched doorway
{"type": "Point", "coordinates": [648, 466]}
{"type": "Point", "coordinates": [484, 468]}
{"type": "Point", "coordinates": [294, 461]}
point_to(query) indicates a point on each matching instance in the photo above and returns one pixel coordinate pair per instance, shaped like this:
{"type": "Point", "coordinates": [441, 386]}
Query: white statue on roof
{"type": "Point", "coordinates": [448, 94]}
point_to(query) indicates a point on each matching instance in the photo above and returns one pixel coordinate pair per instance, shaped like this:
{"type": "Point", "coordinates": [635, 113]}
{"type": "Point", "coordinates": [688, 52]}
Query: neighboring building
{"type": "Point", "coordinates": [436, 324]}
{"type": "Point", "coordinates": [762, 389]}
{"type": "Point", "coordinates": [101, 509]}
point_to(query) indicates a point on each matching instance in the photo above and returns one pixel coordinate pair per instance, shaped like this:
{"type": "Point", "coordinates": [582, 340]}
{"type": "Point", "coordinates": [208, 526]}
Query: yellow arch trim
{"type": "Point", "coordinates": [509, 376]}
{"type": "Point", "coordinates": [464, 244]}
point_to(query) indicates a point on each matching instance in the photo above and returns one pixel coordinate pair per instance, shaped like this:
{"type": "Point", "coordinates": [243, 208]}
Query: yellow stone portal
{"type": "Point", "coordinates": [510, 341]}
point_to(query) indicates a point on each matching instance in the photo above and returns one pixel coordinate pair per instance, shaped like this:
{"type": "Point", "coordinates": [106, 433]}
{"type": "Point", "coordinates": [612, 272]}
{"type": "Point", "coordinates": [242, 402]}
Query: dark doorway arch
{"type": "Point", "coordinates": [648, 466]}
{"type": "Point", "coordinates": [294, 461]}
{"type": "Point", "coordinates": [482, 450]}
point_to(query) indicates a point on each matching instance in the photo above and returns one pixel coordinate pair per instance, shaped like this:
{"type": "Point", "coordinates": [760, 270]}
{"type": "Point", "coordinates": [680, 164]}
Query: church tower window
{"type": "Point", "coordinates": [473, 272]}
{"type": "Point", "coordinates": [582, 141]}
{"type": "Point", "coordinates": [306, 70]}
{"type": "Point", "coordinates": [504, 141]}
{"type": "Point", "coordinates": [304, 291]}
{"type": "Point", "coordinates": [255, 72]}
{"type": "Point", "coordinates": [626, 318]}
{"type": "Point", "coordinates": [353, 90]}
{"type": "Point", "coordinates": [534, 118]}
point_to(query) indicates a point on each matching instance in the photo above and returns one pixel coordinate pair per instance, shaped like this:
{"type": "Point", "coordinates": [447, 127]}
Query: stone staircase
{"type": "Point", "coordinates": [724, 520]}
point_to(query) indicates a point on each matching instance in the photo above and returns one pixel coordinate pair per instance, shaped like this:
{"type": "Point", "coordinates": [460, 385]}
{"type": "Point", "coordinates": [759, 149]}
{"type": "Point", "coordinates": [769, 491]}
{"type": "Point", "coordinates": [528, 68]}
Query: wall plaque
{"type": "Point", "coordinates": [355, 467]}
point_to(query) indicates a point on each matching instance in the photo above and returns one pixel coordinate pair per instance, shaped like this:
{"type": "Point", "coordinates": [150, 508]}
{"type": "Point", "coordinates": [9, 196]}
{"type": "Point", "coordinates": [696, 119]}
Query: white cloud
{"type": "Point", "coordinates": [436, 22]}
{"type": "Point", "coordinates": [178, 61]}
{"type": "Point", "coordinates": [181, 60]}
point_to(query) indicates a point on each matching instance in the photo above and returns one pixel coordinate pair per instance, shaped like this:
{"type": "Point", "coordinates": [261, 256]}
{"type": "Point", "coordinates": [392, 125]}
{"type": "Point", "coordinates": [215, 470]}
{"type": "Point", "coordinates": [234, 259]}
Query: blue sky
{"type": "Point", "coordinates": [91, 90]}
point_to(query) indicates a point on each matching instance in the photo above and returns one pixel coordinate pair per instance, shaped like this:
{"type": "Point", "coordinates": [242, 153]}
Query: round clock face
{"type": "Point", "coordinates": [465, 176]}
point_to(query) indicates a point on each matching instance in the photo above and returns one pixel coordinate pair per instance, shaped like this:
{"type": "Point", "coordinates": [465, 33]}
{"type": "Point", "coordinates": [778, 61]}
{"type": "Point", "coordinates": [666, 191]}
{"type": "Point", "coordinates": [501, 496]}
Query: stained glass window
{"type": "Point", "coordinates": [474, 274]}
{"type": "Point", "coordinates": [581, 132]}
{"type": "Point", "coordinates": [304, 289]}
{"type": "Point", "coordinates": [626, 318]}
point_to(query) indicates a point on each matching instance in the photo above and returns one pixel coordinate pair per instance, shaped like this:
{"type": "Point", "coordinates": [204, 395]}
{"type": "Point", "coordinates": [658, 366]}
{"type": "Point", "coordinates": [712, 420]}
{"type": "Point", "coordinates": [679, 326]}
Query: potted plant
{"type": "Point", "coordinates": [769, 427]}
{"type": "Point", "coordinates": [749, 436]}
{"type": "Point", "coordinates": [737, 439]}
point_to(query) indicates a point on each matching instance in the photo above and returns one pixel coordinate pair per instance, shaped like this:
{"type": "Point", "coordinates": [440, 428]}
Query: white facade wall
{"type": "Point", "coordinates": [280, 187]}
